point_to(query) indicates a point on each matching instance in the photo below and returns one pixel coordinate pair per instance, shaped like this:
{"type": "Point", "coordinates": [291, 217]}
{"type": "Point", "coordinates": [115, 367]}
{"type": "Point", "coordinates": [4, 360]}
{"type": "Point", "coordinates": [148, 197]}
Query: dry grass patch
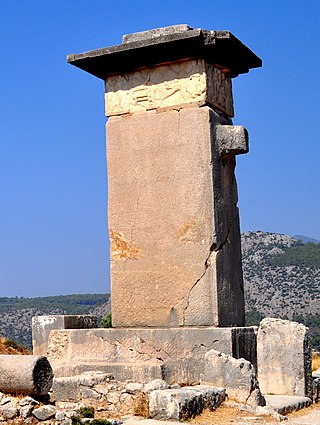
{"type": "Point", "coordinates": [7, 346]}
{"type": "Point", "coordinates": [315, 361]}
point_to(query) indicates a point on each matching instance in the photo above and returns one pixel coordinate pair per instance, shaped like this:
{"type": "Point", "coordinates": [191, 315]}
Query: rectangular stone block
{"type": "Point", "coordinates": [42, 325]}
{"type": "Point", "coordinates": [284, 358]}
{"type": "Point", "coordinates": [184, 403]}
{"type": "Point", "coordinates": [173, 221]}
{"type": "Point", "coordinates": [176, 354]}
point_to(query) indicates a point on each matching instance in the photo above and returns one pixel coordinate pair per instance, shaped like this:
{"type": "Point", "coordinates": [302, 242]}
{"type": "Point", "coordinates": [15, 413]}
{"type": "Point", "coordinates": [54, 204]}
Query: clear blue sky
{"type": "Point", "coordinates": [52, 152]}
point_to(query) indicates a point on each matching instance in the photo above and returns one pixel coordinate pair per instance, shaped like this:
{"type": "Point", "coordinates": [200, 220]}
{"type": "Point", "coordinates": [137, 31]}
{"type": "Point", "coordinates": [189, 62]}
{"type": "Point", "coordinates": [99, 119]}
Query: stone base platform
{"type": "Point", "coordinates": [176, 355]}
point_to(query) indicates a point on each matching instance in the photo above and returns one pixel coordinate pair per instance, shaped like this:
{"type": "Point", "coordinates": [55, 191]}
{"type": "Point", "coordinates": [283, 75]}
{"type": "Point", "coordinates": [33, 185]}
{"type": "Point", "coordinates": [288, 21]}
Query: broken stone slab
{"type": "Point", "coordinates": [286, 404]}
{"type": "Point", "coordinates": [184, 403]}
{"type": "Point", "coordinates": [31, 375]}
{"type": "Point", "coordinates": [42, 325]}
{"type": "Point", "coordinates": [237, 376]}
{"type": "Point", "coordinates": [284, 358]}
{"type": "Point", "coordinates": [176, 355]}
{"type": "Point", "coordinates": [156, 32]}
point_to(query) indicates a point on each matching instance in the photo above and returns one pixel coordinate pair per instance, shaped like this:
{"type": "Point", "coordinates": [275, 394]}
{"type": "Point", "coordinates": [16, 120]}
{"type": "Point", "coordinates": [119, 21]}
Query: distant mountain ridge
{"type": "Point", "coordinates": [305, 238]}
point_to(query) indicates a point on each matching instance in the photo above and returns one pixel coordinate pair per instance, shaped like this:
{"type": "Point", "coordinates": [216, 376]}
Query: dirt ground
{"type": "Point", "coordinates": [231, 416]}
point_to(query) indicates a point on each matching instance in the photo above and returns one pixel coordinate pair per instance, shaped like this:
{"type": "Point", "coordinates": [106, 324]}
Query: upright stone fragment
{"type": "Point", "coordinates": [42, 325]}
{"type": "Point", "coordinates": [284, 358]}
{"type": "Point", "coordinates": [237, 376]}
{"type": "Point", "coordinates": [173, 216]}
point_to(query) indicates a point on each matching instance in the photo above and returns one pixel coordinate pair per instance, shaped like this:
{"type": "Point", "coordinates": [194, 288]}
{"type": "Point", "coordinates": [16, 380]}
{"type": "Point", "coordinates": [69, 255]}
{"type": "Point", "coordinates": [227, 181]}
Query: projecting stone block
{"type": "Point", "coordinates": [42, 325]}
{"type": "Point", "coordinates": [284, 358]}
{"type": "Point", "coordinates": [232, 139]}
{"type": "Point", "coordinates": [237, 376]}
{"type": "Point", "coordinates": [173, 221]}
{"type": "Point", "coordinates": [176, 355]}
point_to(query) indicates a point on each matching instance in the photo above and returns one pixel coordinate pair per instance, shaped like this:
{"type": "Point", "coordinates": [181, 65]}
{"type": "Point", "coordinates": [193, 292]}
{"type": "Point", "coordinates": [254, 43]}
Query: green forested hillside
{"type": "Point", "coordinates": [72, 304]}
{"type": "Point", "coordinates": [307, 255]}
{"type": "Point", "coordinates": [282, 279]}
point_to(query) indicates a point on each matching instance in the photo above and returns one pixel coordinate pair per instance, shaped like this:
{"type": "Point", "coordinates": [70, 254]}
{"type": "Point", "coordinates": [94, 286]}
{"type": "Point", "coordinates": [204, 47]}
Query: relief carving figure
{"type": "Point", "coordinates": [158, 87]}
{"type": "Point", "coordinates": [173, 85]}
{"type": "Point", "coordinates": [219, 89]}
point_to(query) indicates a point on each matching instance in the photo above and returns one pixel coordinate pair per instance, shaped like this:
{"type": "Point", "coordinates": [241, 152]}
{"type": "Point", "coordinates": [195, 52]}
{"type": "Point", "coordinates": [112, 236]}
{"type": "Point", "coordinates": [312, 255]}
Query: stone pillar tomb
{"type": "Point", "coordinates": [176, 275]}
{"type": "Point", "coordinates": [173, 216]}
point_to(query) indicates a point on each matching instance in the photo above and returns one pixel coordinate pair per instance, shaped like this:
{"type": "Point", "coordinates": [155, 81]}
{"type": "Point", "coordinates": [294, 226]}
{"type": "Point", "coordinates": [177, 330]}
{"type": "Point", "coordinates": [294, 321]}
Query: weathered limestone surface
{"type": "Point", "coordinates": [191, 82]}
{"type": "Point", "coordinates": [25, 374]}
{"type": "Point", "coordinates": [173, 221]}
{"type": "Point", "coordinates": [237, 376]}
{"type": "Point", "coordinates": [176, 355]}
{"type": "Point", "coordinates": [284, 358]}
{"type": "Point", "coordinates": [156, 32]}
{"type": "Point", "coordinates": [184, 403]}
{"type": "Point", "coordinates": [287, 404]}
{"type": "Point", "coordinates": [104, 393]}
{"type": "Point", "coordinates": [42, 325]}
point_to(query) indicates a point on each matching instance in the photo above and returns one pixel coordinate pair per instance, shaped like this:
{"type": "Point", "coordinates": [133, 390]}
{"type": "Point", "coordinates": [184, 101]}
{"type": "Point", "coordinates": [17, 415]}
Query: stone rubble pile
{"type": "Point", "coordinates": [29, 411]}
{"type": "Point", "coordinates": [109, 398]}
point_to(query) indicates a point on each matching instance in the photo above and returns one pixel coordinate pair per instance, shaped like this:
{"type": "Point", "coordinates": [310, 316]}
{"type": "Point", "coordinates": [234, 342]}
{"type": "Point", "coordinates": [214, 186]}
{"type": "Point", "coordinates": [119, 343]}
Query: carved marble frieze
{"type": "Point", "coordinates": [169, 86]}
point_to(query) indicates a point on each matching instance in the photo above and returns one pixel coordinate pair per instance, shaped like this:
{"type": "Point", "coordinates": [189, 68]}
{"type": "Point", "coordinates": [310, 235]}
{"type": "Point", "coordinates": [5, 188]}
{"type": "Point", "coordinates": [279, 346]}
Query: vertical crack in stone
{"type": "Point", "coordinates": [207, 264]}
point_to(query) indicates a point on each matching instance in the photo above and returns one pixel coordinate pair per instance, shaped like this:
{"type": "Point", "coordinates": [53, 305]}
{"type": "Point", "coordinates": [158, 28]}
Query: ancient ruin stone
{"type": "Point", "coordinates": [142, 355]}
{"type": "Point", "coordinates": [237, 376]}
{"type": "Point", "coordinates": [26, 411]}
{"type": "Point", "coordinates": [44, 412]}
{"type": "Point", "coordinates": [10, 410]}
{"type": "Point", "coordinates": [172, 194]}
{"type": "Point", "coordinates": [156, 384]}
{"type": "Point", "coordinates": [42, 325]}
{"type": "Point", "coordinates": [184, 403]}
{"type": "Point", "coordinates": [32, 375]}
{"type": "Point", "coordinates": [284, 358]}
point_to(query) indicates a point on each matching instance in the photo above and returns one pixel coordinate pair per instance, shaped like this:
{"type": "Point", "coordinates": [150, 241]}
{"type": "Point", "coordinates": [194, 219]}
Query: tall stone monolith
{"type": "Point", "coordinates": [171, 147]}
